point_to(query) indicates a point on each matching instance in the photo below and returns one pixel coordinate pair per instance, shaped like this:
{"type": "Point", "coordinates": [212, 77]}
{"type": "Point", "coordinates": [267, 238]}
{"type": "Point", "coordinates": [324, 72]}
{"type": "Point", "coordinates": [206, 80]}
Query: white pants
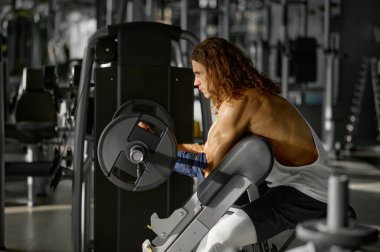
{"type": "Point", "coordinates": [231, 233]}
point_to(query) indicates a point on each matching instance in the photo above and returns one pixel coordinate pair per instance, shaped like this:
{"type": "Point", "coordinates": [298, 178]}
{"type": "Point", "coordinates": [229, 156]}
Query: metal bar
{"type": "Point", "coordinates": [203, 24]}
{"type": "Point", "coordinates": [185, 37]}
{"type": "Point", "coordinates": [177, 52]}
{"type": "Point", "coordinates": [184, 20]}
{"type": "Point", "coordinates": [259, 55]}
{"type": "Point", "coordinates": [123, 10]}
{"type": "Point", "coordinates": [31, 183]}
{"type": "Point", "coordinates": [80, 126]}
{"type": "Point", "coordinates": [337, 202]}
{"type": "Point", "coordinates": [267, 20]}
{"type": "Point", "coordinates": [328, 124]}
{"type": "Point", "coordinates": [326, 27]}
{"type": "Point", "coordinates": [253, 193]}
{"type": "Point", "coordinates": [2, 150]}
{"type": "Point", "coordinates": [87, 164]}
{"type": "Point", "coordinates": [189, 37]}
{"type": "Point", "coordinates": [335, 44]}
{"type": "Point", "coordinates": [284, 53]}
{"type": "Point", "coordinates": [225, 20]}
{"type": "Point", "coordinates": [150, 8]}
{"type": "Point", "coordinates": [109, 8]}
{"type": "Point", "coordinates": [88, 189]}
{"type": "Point", "coordinates": [130, 7]}
{"type": "Point", "coordinates": [183, 23]}
{"type": "Point", "coordinates": [376, 91]}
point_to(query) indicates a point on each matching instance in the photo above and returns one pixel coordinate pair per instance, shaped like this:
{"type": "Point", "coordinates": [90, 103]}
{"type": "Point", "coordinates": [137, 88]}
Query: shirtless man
{"type": "Point", "coordinates": [245, 101]}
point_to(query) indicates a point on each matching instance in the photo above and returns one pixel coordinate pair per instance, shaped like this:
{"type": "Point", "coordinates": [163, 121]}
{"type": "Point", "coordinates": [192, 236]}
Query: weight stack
{"type": "Point", "coordinates": [138, 57]}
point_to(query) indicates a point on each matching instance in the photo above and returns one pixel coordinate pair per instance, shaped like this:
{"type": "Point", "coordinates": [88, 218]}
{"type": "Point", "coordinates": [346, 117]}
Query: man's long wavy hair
{"type": "Point", "coordinates": [229, 71]}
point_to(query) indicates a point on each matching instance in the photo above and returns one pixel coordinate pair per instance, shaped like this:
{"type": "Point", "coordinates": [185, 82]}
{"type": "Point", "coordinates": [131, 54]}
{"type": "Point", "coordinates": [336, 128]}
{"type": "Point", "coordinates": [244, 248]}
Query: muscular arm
{"type": "Point", "coordinates": [194, 148]}
{"type": "Point", "coordinates": [232, 122]}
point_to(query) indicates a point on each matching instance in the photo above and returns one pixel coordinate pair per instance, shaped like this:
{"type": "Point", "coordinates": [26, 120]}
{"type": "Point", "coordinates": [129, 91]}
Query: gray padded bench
{"type": "Point", "coordinates": [247, 164]}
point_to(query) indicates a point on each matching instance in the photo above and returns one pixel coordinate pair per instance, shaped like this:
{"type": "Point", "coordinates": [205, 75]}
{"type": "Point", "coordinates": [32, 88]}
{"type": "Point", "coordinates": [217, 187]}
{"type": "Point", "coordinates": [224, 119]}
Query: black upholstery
{"type": "Point", "coordinates": [36, 115]}
{"type": "Point", "coordinates": [36, 121]}
{"type": "Point", "coordinates": [36, 107]}
{"type": "Point", "coordinates": [38, 168]}
{"type": "Point", "coordinates": [251, 157]}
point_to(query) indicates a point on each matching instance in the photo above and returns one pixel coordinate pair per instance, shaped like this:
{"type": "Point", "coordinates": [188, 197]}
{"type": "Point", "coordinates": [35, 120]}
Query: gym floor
{"type": "Point", "coordinates": [46, 227]}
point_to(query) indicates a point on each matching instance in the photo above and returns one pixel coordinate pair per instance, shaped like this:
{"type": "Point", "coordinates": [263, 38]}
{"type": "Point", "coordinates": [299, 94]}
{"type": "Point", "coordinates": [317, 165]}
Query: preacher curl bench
{"type": "Point", "coordinates": [247, 164]}
{"type": "Point", "coordinates": [135, 159]}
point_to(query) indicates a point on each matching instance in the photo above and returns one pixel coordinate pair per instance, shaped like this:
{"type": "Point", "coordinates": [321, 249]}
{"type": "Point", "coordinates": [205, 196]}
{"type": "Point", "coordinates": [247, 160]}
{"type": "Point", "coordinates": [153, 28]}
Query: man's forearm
{"type": "Point", "coordinates": [191, 163]}
{"type": "Point", "coordinates": [194, 148]}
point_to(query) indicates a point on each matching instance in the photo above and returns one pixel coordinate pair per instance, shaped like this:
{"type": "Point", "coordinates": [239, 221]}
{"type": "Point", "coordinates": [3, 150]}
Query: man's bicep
{"type": "Point", "coordinates": [226, 131]}
{"type": "Point", "coordinates": [219, 142]}
{"type": "Point", "coordinates": [231, 123]}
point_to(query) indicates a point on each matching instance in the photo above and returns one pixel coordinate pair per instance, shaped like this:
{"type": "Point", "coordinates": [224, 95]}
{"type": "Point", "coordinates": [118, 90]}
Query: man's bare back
{"type": "Point", "coordinates": [267, 115]}
{"type": "Point", "coordinates": [276, 119]}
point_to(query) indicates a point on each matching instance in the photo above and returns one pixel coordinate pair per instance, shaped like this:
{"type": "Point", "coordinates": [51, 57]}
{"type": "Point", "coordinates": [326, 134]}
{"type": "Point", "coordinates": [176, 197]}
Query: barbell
{"type": "Point", "coordinates": [137, 149]}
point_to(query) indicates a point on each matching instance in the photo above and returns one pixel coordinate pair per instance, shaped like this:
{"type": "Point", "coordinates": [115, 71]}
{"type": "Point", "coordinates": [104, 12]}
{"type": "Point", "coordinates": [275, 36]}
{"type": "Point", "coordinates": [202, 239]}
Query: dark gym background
{"type": "Point", "coordinates": [325, 54]}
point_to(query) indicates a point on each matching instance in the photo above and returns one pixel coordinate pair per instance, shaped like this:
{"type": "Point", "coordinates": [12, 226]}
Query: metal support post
{"type": "Point", "coordinates": [80, 126]}
{"type": "Point", "coordinates": [285, 51]}
{"type": "Point", "coordinates": [225, 20]}
{"type": "Point", "coordinates": [184, 5]}
{"type": "Point", "coordinates": [328, 123]}
{"type": "Point", "coordinates": [203, 24]}
{"type": "Point", "coordinates": [2, 151]}
{"type": "Point", "coordinates": [337, 202]}
{"type": "Point", "coordinates": [110, 11]}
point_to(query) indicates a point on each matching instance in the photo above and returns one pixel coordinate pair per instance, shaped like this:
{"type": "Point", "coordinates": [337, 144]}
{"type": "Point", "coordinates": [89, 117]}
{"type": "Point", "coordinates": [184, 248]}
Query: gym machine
{"type": "Point", "coordinates": [138, 159]}
{"type": "Point", "coordinates": [131, 66]}
{"type": "Point", "coordinates": [296, 57]}
{"type": "Point", "coordinates": [247, 164]}
{"type": "Point", "coordinates": [34, 131]}
{"type": "Point", "coordinates": [337, 232]}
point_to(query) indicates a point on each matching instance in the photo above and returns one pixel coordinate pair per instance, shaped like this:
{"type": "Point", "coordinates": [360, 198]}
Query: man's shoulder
{"type": "Point", "coordinates": [244, 105]}
{"type": "Point", "coordinates": [254, 95]}
{"type": "Point", "coordinates": [255, 98]}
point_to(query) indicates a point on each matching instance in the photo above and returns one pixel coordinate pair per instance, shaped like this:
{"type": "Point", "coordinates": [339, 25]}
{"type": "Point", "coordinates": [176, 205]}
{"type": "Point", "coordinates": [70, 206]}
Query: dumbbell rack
{"type": "Point", "coordinates": [369, 71]}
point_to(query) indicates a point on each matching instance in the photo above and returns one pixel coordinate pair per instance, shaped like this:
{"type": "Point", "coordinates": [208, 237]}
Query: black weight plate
{"type": "Point", "coordinates": [353, 236]}
{"type": "Point", "coordinates": [146, 107]}
{"type": "Point", "coordinates": [113, 152]}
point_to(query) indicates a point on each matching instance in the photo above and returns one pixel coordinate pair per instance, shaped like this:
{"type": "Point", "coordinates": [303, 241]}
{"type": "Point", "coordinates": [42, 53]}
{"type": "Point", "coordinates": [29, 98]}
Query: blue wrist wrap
{"type": "Point", "coordinates": [190, 164]}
